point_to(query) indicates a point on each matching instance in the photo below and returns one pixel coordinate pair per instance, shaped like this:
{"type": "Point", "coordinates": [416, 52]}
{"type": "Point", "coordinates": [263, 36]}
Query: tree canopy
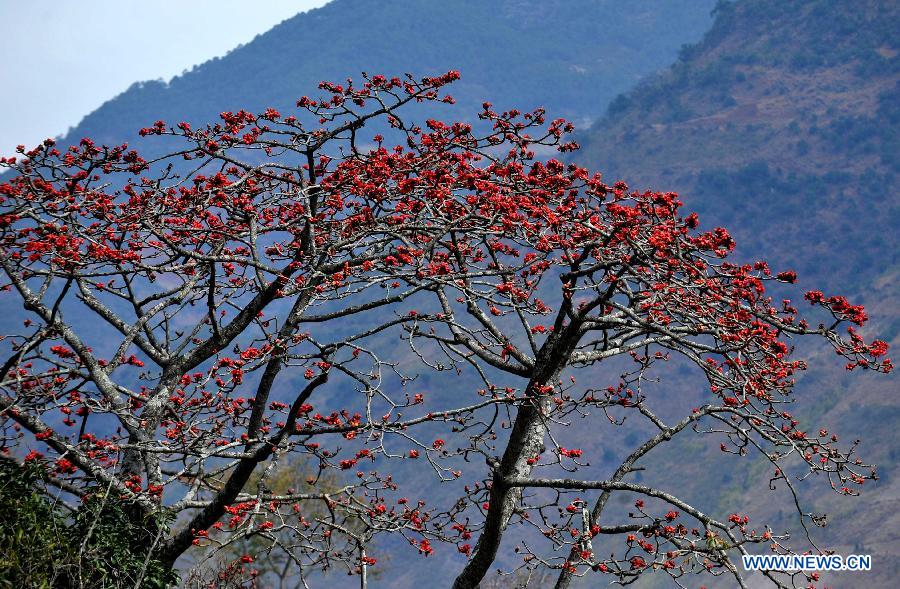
{"type": "Point", "coordinates": [273, 286]}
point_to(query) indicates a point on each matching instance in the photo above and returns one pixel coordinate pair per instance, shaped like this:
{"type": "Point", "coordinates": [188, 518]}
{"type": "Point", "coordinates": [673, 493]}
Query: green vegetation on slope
{"type": "Point", "coordinates": [782, 125]}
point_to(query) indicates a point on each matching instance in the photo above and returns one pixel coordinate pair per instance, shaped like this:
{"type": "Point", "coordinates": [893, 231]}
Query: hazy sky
{"type": "Point", "coordinates": [61, 59]}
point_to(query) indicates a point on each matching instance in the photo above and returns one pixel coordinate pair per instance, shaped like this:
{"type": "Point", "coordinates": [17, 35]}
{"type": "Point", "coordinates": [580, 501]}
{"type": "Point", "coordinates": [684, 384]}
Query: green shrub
{"type": "Point", "coordinates": [44, 544]}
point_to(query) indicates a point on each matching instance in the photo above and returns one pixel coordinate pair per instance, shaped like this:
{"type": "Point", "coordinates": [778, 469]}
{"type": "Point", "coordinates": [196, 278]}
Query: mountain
{"type": "Point", "coordinates": [782, 125]}
{"type": "Point", "coordinates": [571, 56]}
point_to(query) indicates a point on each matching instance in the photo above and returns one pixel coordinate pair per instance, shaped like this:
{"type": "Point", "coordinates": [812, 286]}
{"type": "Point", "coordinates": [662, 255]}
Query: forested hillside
{"type": "Point", "coordinates": [782, 125]}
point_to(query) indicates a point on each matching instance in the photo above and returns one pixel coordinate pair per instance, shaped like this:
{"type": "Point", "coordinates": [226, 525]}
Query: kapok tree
{"type": "Point", "coordinates": [271, 286]}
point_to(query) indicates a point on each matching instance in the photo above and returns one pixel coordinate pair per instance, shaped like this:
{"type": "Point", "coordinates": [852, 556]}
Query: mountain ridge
{"type": "Point", "coordinates": [524, 55]}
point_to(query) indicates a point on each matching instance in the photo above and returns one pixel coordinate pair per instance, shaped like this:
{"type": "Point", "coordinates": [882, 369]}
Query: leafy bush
{"type": "Point", "coordinates": [45, 544]}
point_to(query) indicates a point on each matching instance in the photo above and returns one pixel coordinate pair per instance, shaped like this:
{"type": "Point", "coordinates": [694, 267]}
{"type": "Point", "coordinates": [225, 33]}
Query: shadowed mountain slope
{"type": "Point", "coordinates": [569, 56]}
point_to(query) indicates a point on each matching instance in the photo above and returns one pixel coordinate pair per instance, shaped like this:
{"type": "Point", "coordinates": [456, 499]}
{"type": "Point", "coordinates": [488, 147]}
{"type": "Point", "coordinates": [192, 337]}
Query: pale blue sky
{"type": "Point", "coordinates": [61, 59]}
